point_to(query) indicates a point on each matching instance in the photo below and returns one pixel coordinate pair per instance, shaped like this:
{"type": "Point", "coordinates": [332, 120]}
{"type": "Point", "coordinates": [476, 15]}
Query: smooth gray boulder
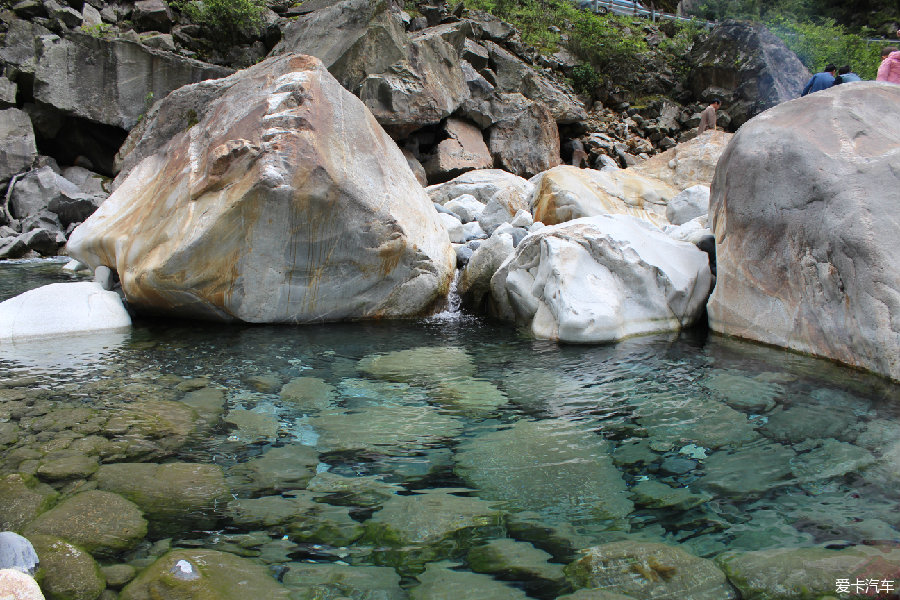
{"type": "Point", "coordinates": [688, 204]}
{"type": "Point", "coordinates": [525, 140]}
{"type": "Point", "coordinates": [18, 150]}
{"type": "Point", "coordinates": [61, 309]}
{"type": "Point", "coordinates": [801, 210]}
{"type": "Point", "coordinates": [310, 212]}
{"type": "Point", "coordinates": [44, 189]}
{"type": "Point", "coordinates": [113, 81]}
{"type": "Point", "coordinates": [483, 185]}
{"type": "Point", "coordinates": [601, 279]}
{"type": "Point", "coordinates": [474, 286]}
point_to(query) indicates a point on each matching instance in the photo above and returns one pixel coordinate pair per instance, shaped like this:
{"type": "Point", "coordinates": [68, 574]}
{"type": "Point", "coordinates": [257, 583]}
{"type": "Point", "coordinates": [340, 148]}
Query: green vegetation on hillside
{"type": "Point", "coordinates": [611, 47]}
{"type": "Point", "coordinates": [882, 16]}
{"type": "Point", "coordinates": [819, 44]}
{"type": "Point", "coordinates": [226, 21]}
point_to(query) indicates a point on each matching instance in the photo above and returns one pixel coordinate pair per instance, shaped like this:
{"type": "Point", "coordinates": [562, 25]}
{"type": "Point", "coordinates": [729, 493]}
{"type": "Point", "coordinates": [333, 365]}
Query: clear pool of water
{"type": "Point", "coordinates": [696, 440]}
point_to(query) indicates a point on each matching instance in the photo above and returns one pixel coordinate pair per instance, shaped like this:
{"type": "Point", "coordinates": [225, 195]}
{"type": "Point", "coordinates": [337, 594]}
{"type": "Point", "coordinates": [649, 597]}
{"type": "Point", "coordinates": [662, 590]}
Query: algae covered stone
{"type": "Point", "coordinates": [101, 522]}
{"type": "Point", "coordinates": [510, 559]}
{"type": "Point", "coordinates": [650, 571]}
{"type": "Point", "coordinates": [419, 365]}
{"type": "Point", "coordinates": [328, 581]}
{"type": "Point", "coordinates": [170, 494]}
{"type": "Point", "coordinates": [299, 515]}
{"type": "Point", "coordinates": [801, 573]}
{"type": "Point", "coordinates": [749, 470]}
{"type": "Point", "coordinates": [555, 467]}
{"type": "Point", "coordinates": [384, 429]}
{"type": "Point", "coordinates": [439, 582]}
{"type": "Point", "coordinates": [67, 572]}
{"type": "Point", "coordinates": [22, 499]}
{"type": "Point", "coordinates": [308, 393]}
{"type": "Point", "coordinates": [284, 468]}
{"type": "Point", "coordinates": [204, 575]}
{"type": "Point", "coordinates": [655, 494]}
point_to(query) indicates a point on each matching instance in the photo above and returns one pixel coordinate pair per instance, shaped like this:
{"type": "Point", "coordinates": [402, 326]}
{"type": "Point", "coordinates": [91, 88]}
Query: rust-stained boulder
{"type": "Point", "coordinates": [287, 202]}
{"type": "Point", "coordinates": [689, 163]}
{"type": "Point", "coordinates": [463, 150]}
{"type": "Point", "coordinates": [566, 193]}
{"type": "Point", "coordinates": [803, 207]}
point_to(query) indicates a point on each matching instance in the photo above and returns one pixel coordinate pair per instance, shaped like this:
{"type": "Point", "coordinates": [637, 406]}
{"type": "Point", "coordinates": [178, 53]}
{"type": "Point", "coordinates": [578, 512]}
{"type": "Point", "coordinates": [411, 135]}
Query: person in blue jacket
{"type": "Point", "coordinates": [845, 75]}
{"type": "Point", "coordinates": [820, 81]}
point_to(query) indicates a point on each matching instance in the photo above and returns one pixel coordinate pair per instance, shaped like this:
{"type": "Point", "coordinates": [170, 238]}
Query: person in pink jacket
{"type": "Point", "coordinates": [890, 65]}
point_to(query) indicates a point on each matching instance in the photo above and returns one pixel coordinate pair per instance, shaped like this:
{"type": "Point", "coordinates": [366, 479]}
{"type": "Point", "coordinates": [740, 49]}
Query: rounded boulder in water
{"type": "Point", "coordinates": [17, 553]}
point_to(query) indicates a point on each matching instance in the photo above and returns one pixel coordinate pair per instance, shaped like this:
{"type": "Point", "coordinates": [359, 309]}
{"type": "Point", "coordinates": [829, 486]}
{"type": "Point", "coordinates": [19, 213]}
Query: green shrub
{"type": "Point", "coordinates": [226, 21]}
{"type": "Point", "coordinates": [819, 44]}
{"type": "Point", "coordinates": [585, 79]}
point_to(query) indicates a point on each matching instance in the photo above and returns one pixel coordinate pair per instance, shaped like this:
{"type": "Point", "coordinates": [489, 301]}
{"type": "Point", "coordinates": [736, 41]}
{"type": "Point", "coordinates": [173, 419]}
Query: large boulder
{"type": "Point", "coordinates": [806, 248]}
{"type": "Point", "coordinates": [601, 279]}
{"type": "Point", "coordinates": [565, 193]}
{"type": "Point", "coordinates": [44, 189]}
{"type": "Point", "coordinates": [463, 150]}
{"type": "Point", "coordinates": [525, 139]}
{"type": "Point", "coordinates": [406, 81]}
{"type": "Point", "coordinates": [61, 309]}
{"type": "Point", "coordinates": [109, 81]}
{"type": "Point", "coordinates": [18, 150]}
{"type": "Point", "coordinates": [689, 163]}
{"type": "Point", "coordinates": [483, 185]}
{"type": "Point", "coordinates": [748, 66]}
{"type": "Point", "coordinates": [286, 203]}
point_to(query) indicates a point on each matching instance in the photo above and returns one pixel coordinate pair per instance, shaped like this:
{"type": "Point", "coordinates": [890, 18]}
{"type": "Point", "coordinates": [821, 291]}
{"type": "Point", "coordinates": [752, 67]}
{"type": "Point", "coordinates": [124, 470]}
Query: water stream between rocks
{"type": "Point", "coordinates": [405, 444]}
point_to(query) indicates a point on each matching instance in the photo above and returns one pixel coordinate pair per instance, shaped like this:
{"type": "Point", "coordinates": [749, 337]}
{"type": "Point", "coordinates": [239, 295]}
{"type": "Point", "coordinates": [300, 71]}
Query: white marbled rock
{"type": "Point", "coordinates": [600, 279]}
{"type": "Point", "coordinates": [61, 309]}
{"type": "Point", "coordinates": [688, 204]}
{"type": "Point", "coordinates": [287, 202]}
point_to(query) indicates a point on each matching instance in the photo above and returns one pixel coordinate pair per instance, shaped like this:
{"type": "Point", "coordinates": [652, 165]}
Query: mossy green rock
{"type": "Point", "coordinates": [170, 494]}
{"type": "Point", "coordinates": [308, 393]}
{"type": "Point", "coordinates": [387, 429]}
{"type": "Point", "coordinates": [285, 468]}
{"type": "Point", "coordinates": [22, 499]}
{"type": "Point", "coordinates": [654, 494]}
{"type": "Point", "coordinates": [441, 583]}
{"type": "Point", "coordinates": [595, 595]}
{"type": "Point", "coordinates": [510, 559]}
{"type": "Point", "coordinates": [102, 523]}
{"type": "Point", "coordinates": [67, 572]}
{"type": "Point", "coordinates": [211, 575]}
{"type": "Point", "coordinates": [419, 365]}
{"type": "Point", "coordinates": [799, 423]}
{"type": "Point", "coordinates": [650, 571]}
{"type": "Point", "coordinates": [806, 573]}
{"type": "Point", "coordinates": [251, 427]}
{"type": "Point", "coordinates": [831, 459]}
{"type": "Point", "coordinates": [421, 528]}
{"type": "Point", "coordinates": [676, 420]}
{"type": "Point", "coordinates": [209, 403]}
{"type": "Point", "coordinates": [554, 466]}
{"type": "Point", "coordinates": [298, 514]}
{"type": "Point", "coordinates": [748, 470]}
{"type": "Point", "coordinates": [366, 491]}
{"type": "Point", "coordinates": [118, 575]}
{"type": "Point", "coordinates": [748, 394]}
{"type": "Point", "coordinates": [469, 395]}
{"type": "Point", "coordinates": [65, 465]}
{"type": "Point", "coordinates": [332, 582]}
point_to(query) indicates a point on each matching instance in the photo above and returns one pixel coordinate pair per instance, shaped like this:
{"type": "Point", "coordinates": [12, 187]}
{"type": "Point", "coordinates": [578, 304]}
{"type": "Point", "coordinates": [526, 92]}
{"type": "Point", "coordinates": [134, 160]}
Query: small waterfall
{"type": "Point", "coordinates": [453, 310]}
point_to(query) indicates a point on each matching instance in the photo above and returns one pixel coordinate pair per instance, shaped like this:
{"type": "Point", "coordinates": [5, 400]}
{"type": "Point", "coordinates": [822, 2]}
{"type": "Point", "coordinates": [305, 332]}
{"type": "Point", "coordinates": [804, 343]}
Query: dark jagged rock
{"type": "Point", "coordinates": [748, 66]}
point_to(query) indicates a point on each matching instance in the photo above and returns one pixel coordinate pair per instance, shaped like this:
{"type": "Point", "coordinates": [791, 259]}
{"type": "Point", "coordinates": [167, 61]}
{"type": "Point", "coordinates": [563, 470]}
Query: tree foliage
{"type": "Point", "coordinates": [226, 21]}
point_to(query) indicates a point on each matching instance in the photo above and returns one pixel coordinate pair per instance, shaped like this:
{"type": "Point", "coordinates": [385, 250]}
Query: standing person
{"type": "Point", "coordinates": [890, 65]}
{"type": "Point", "coordinates": [708, 116]}
{"type": "Point", "coordinates": [820, 81]}
{"type": "Point", "coordinates": [845, 75]}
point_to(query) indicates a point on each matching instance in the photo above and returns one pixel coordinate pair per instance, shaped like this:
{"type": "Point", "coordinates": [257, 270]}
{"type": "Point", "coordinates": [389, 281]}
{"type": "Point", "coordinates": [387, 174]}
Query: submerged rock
{"type": "Point", "coordinates": [280, 469]}
{"type": "Point", "coordinates": [748, 470]}
{"type": "Point", "coordinates": [325, 581]}
{"type": "Point", "coordinates": [601, 279]}
{"type": "Point", "coordinates": [801, 261]}
{"type": "Point", "coordinates": [514, 560]}
{"type": "Point", "coordinates": [439, 582]}
{"type": "Point", "coordinates": [554, 467]}
{"type": "Point", "coordinates": [298, 515]}
{"type": "Point", "coordinates": [67, 571]}
{"type": "Point", "coordinates": [277, 225]}
{"type": "Point", "coordinates": [789, 573]}
{"type": "Point", "coordinates": [308, 393]}
{"type": "Point", "coordinates": [102, 523]}
{"type": "Point", "coordinates": [172, 494]}
{"type": "Point", "coordinates": [650, 571]}
{"type": "Point", "coordinates": [204, 575]}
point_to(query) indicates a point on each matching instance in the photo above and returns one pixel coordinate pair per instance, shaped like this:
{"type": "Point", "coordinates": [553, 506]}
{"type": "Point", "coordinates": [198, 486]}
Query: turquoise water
{"type": "Point", "coordinates": [693, 439]}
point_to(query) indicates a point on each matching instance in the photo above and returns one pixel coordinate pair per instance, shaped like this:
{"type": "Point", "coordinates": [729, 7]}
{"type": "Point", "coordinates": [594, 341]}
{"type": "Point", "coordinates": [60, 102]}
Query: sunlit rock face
{"type": "Point", "coordinates": [803, 208]}
{"type": "Point", "coordinates": [287, 202]}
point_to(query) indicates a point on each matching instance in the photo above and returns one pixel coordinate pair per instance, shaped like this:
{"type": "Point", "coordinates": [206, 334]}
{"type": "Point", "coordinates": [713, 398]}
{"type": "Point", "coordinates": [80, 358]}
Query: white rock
{"type": "Point", "coordinates": [688, 204]}
{"type": "Point", "coordinates": [473, 231]}
{"type": "Point", "coordinates": [692, 231]}
{"type": "Point", "coordinates": [104, 276]}
{"type": "Point", "coordinates": [73, 266]}
{"type": "Point", "coordinates": [600, 279]}
{"type": "Point", "coordinates": [522, 219]}
{"type": "Point", "coordinates": [483, 184]}
{"type": "Point", "coordinates": [454, 228]}
{"type": "Point", "coordinates": [466, 207]}
{"type": "Point", "coordinates": [61, 309]}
